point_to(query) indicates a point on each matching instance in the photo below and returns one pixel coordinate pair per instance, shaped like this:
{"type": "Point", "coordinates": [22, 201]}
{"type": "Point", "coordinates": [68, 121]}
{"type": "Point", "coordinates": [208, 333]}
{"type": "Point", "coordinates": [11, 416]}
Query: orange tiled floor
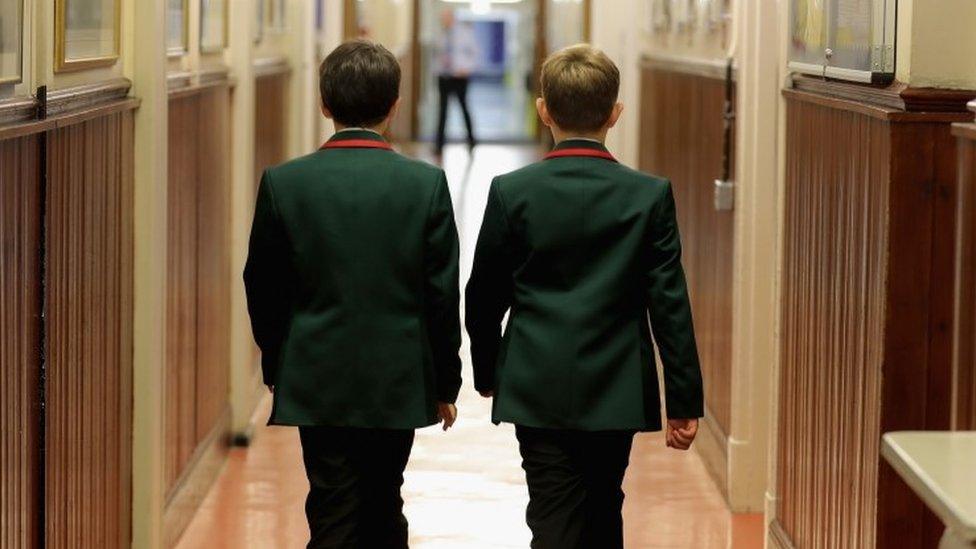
{"type": "Point", "coordinates": [465, 489]}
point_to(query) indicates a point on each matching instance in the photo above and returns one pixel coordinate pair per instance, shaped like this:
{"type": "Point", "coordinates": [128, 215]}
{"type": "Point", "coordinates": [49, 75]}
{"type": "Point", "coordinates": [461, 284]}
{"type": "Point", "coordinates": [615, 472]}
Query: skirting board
{"type": "Point", "coordinates": [242, 438]}
{"type": "Point", "coordinates": [199, 476]}
{"type": "Point", "coordinates": [777, 538]}
{"type": "Point", "coordinates": [712, 445]}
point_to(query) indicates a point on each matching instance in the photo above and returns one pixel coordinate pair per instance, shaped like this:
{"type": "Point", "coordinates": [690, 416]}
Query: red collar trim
{"type": "Point", "coordinates": [593, 153]}
{"type": "Point", "coordinates": [357, 144]}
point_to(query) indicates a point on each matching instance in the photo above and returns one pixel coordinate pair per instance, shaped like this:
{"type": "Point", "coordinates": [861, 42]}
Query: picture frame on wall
{"type": "Point", "coordinates": [258, 31]}
{"type": "Point", "coordinates": [213, 25]}
{"type": "Point", "coordinates": [278, 16]}
{"type": "Point", "coordinates": [11, 41]}
{"type": "Point", "coordinates": [177, 27]}
{"type": "Point", "coordinates": [661, 16]}
{"type": "Point", "coordinates": [87, 34]}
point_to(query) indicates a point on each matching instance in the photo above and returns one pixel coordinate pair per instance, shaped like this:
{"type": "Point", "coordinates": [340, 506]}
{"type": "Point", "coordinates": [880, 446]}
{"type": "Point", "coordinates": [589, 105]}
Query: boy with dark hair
{"type": "Point", "coordinates": [352, 289]}
{"type": "Point", "coordinates": [582, 252]}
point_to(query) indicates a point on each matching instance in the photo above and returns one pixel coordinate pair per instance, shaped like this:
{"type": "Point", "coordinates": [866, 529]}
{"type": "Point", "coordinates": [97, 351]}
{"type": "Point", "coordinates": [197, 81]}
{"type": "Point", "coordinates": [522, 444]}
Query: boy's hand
{"type": "Point", "coordinates": [447, 413]}
{"type": "Point", "coordinates": [681, 433]}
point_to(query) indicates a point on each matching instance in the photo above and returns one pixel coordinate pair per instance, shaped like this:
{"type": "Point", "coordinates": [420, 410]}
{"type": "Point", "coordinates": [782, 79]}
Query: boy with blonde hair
{"type": "Point", "coordinates": [584, 255]}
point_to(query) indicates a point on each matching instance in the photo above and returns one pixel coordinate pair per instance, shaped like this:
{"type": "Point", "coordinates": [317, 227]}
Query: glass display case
{"type": "Point", "coordinates": [843, 39]}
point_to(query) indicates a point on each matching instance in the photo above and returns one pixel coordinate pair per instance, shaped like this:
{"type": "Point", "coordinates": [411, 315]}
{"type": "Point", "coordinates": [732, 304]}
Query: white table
{"type": "Point", "coordinates": [941, 468]}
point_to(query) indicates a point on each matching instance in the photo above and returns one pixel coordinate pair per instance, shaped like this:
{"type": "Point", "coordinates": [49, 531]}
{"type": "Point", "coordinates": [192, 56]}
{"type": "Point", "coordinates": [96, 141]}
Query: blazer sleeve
{"type": "Point", "coordinates": [442, 293]}
{"type": "Point", "coordinates": [670, 315]}
{"type": "Point", "coordinates": [267, 276]}
{"type": "Point", "coordinates": [489, 291]}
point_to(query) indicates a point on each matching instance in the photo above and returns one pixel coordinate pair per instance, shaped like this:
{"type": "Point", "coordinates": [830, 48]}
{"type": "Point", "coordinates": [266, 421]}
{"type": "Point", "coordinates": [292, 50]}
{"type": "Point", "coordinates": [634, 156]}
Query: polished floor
{"type": "Point", "coordinates": [465, 489]}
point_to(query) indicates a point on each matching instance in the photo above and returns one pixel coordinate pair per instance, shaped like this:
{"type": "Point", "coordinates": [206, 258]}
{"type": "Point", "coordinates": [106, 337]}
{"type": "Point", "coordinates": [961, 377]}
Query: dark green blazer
{"type": "Point", "coordinates": [582, 251]}
{"type": "Point", "coordinates": [352, 287]}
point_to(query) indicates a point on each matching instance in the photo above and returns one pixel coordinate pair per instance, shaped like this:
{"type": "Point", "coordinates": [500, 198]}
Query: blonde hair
{"type": "Point", "coordinates": [580, 85]}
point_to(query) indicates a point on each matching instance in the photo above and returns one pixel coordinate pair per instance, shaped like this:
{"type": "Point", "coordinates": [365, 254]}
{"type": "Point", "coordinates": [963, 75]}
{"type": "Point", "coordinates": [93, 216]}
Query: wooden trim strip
{"type": "Point", "coordinates": [191, 488]}
{"type": "Point", "coordinates": [77, 98]}
{"type": "Point", "coordinates": [17, 109]}
{"type": "Point", "coordinates": [176, 81]}
{"type": "Point", "coordinates": [712, 446]}
{"type": "Point", "coordinates": [28, 128]}
{"type": "Point", "coordinates": [697, 66]}
{"type": "Point", "coordinates": [271, 66]}
{"type": "Point", "coordinates": [67, 101]}
{"type": "Point", "coordinates": [875, 110]}
{"type": "Point", "coordinates": [186, 84]}
{"type": "Point", "coordinates": [897, 96]}
{"type": "Point", "coordinates": [778, 537]}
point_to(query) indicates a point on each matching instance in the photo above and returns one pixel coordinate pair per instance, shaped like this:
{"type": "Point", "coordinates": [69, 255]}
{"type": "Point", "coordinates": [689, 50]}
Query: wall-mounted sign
{"type": "Point", "coordinates": [213, 25]}
{"type": "Point", "coordinates": [177, 27]}
{"type": "Point", "coordinates": [845, 39]}
{"type": "Point", "coordinates": [259, 20]}
{"type": "Point", "coordinates": [279, 11]}
{"type": "Point", "coordinates": [87, 33]}
{"type": "Point", "coordinates": [11, 41]}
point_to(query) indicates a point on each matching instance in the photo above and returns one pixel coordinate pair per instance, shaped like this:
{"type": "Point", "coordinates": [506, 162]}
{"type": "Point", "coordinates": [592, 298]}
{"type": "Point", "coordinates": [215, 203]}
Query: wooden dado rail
{"type": "Point", "coordinates": [964, 363]}
{"type": "Point", "coordinates": [867, 306]}
{"type": "Point", "coordinates": [197, 408]}
{"type": "Point", "coordinates": [66, 254]}
{"type": "Point", "coordinates": [682, 114]}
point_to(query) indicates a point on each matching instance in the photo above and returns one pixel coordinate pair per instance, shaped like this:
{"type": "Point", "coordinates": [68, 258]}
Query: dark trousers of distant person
{"type": "Point", "coordinates": [355, 476]}
{"type": "Point", "coordinates": [448, 86]}
{"type": "Point", "coordinates": [574, 480]}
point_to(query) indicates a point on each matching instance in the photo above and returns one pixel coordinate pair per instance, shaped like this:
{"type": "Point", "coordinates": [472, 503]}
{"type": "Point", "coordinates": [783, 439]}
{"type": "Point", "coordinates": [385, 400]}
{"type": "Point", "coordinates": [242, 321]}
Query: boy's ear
{"type": "Point", "coordinates": [540, 106]}
{"type": "Point", "coordinates": [325, 110]}
{"type": "Point", "coordinates": [394, 110]}
{"type": "Point", "coordinates": [618, 108]}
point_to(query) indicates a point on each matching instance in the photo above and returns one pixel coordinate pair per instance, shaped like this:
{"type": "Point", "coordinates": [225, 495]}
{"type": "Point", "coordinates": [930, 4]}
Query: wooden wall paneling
{"type": "Point", "coordinates": [916, 393]}
{"type": "Point", "coordinates": [834, 244]}
{"type": "Point", "coordinates": [964, 360]}
{"type": "Point", "coordinates": [20, 308]}
{"type": "Point", "coordinates": [868, 232]}
{"type": "Point", "coordinates": [213, 260]}
{"type": "Point", "coordinates": [682, 139]}
{"type": "Point", "coordinates": [181, 340]}
{"type": "Point", "coordinates": [271, 121]}
{"type": "Point", "coordinates": [89, 311]}
{"type": "Point", "coordinates": [197, 400]}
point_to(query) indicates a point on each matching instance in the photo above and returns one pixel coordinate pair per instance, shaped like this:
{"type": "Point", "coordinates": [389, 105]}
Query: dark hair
{"type": "Point", "coordinates": [360, 82]}
{"type": "Point", "coordinates": [580, 85]}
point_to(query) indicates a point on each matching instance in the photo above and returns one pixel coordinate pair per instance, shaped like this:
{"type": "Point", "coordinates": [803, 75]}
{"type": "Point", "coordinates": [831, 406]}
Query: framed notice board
{"type": "Point", "coordinates": [845, 39]}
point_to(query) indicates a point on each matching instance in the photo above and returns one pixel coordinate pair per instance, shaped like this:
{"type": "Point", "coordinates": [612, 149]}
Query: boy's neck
{"type": "Point", "coordinates": [380, 129]}
{"type": "Point", "coordinates": [558, 135]}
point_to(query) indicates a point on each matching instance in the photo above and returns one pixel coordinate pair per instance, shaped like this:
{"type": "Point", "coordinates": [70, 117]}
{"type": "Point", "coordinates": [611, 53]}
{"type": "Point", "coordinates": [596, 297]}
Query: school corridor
{"type": "Point", "coordinates": [465, 488]}
{"type": "Point", "coordinates": [823, 161]}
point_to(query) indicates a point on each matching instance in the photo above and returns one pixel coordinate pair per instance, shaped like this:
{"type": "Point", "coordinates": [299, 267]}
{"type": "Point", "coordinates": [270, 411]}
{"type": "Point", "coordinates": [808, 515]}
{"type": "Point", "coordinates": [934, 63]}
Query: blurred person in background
{"type": "Point", "coordinates": [456, 58]}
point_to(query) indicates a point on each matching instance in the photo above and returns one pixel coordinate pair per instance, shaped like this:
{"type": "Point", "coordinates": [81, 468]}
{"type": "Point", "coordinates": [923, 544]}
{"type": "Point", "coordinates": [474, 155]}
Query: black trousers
{"type": "Point", "coordinates": [448, 86]}
{"type": "Point", "coordinates": [574, 479]}
{"type": "Point", "coordinates": [355, 477]}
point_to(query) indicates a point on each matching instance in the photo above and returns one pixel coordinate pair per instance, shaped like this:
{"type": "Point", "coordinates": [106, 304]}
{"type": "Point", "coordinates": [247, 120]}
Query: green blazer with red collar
{"type": "Point", "coordinates": [584, 255]}
{"type": "Point", "coordinates": [352, 287]}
